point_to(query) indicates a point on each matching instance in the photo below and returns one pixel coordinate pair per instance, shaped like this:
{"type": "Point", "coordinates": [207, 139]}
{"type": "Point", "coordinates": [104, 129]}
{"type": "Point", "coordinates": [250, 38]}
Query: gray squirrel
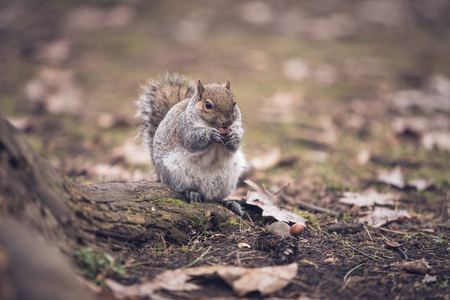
{"type": "Point", "coordinates": [194, 134]}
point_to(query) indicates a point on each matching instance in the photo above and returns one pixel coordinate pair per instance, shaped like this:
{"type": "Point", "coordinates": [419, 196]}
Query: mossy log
{"type": "Point", "coordinates": [69, 215]}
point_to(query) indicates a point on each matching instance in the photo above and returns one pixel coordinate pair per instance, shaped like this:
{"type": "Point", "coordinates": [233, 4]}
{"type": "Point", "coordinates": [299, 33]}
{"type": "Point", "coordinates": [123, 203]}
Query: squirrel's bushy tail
{"type": "Point", "coordinates": [156, 99]}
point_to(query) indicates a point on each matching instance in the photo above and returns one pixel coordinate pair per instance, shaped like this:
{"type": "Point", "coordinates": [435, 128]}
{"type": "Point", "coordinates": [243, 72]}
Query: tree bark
{"type": "Point", "coordinates": [69, 215]}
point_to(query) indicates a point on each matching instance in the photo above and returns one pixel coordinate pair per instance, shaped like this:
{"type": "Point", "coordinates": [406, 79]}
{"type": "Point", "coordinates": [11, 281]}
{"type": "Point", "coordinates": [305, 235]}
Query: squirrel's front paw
{"type": "Point", "coordinates": [194, 197]}
{"type": "Point", "coordinates": [215, 135]}
{"type": "Point", "coordinates": [232, 140]}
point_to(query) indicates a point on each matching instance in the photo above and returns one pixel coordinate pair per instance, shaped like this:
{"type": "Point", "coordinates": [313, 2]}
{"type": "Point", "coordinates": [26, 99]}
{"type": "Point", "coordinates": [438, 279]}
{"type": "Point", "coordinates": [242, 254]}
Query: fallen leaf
{"type": "Point", "coordinates": [308, 262]}
{"type": "Point", "coordinates": [329, 260]}
{"type": "Point", "coordinates": [429, 279]}
{"type": "Point", "coordinates": [420, 184]}
{"type": "Point", "coordinates": [274, 211]}
{"type": "Point", "coordinates": [392, 177]}
{"type": "Point", "coordinates": [266, 161]}
{"type": "Point", "coordinates": [296, 69]}
{"type": "Point", "coordinates": [132, 152]}
{"type": "Point", "coordinates": [363, 157]}
{"type": "Point", "coordinates": [368, 198]}
{"type": "Point", "coordinates": [243, 245]}
{"type": "Point", "coordinates": [382, 215]}
{"type": "Point", "coordinates": [262, 193]}
{"type": "Point", "coordinates": [438, 139]}
{"type": "Point", "coordinates": [419, 266]}
{"type": "Point", "coordinates": [265, 200]}
{"type": "Point", "coordinates": [391, 244]}
{"type": "Point", "coordinates": [56, 90]}
{"type": "Point", "coordinates": [266, 280]}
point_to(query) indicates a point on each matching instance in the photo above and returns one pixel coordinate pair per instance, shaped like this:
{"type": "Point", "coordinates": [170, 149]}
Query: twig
{"type": "Point", "coordinates": [368, 255]}
{"type": "Point", "coordinates": [393, 231]}
{"type": "Point", "coordinates": [368, 233]}
{"type": "Point", "coordinates": [303, 285]}
{"type": "Point", "coordinates": [198, 258]}
{"type": "Point", "coordinates": [362, 252]}
{"type": "Point", "coordinates": [164, 243]}
{"type": "Point", "coordinates": [307, 205]}
{"type": "Point", "coordinates": [349, 272]}
{"type": "Point", "coordinates": [250, 219]}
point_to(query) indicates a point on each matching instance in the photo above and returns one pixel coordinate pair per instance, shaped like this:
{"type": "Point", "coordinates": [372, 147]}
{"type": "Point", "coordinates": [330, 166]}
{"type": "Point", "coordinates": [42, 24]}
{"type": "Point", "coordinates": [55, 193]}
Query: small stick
{"type": "Point", "coordinates": [393, 231]}
{"type": "Point", "coordinates": [368, 233]}
{"type": "Point", "coordinates": [308, 206]}
{"type": "Point", "coordinates": [198, 258]}
{"type": "Point", "coordinates": [250, 218]}
{"type": "Point", "coordinates": [164, 243]}
{"type": "Point", "coordinates": [349, 272]}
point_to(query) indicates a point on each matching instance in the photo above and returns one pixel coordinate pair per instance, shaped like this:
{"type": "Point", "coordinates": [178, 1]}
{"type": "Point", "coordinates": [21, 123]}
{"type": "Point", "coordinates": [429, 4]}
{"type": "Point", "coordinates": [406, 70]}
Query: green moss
{"type": "Point", "coordinates": [170, 201]}
{"type": "Point", "coordinates": [228, 223]}
{"type": "Point", "coordinates": [308, 216]}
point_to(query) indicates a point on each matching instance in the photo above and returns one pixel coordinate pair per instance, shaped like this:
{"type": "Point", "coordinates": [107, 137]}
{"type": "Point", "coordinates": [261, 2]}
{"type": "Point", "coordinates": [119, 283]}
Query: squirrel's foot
{"type": "Point", "coordinates": [234, 207]}
{"type": "Point", "coordinates": [194, 197]}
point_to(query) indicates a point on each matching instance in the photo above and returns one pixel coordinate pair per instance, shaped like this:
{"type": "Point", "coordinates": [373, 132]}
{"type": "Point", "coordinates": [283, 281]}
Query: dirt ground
{"type": "Point", "coordinates": [336, 97]}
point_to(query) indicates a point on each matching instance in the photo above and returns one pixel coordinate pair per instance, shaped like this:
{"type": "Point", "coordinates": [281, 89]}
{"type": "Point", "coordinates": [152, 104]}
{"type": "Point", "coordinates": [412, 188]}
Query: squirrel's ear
{"type": "Point", "coordinates": [227, 84]}
{"type": "Point", "coordinates": [200, 89]}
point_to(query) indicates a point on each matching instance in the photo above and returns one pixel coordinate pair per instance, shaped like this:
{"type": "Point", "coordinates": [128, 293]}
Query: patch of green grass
{"type": "Point", "coordinates": [92, 263]}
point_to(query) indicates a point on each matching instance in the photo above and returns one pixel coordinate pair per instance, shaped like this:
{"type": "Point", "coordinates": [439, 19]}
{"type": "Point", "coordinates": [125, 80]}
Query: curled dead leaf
{"type": "Point", "coordinates": [391, 244]}
{"type": "Point", "coordinates": [419, 266]}
{"type": "Point", "coordinates": [368, 198]}
{"type": "Point", "coordinates": [266, 161]}
{"type": "Point", "coordinates": [266, 280]}
{"type": "Point", "coordinates": [392, 177]}
{"type": "Point", "coordinates": [382, 215]}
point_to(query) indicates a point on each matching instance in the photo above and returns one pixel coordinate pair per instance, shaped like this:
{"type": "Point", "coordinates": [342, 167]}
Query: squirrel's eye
{"type": "Point", "coordinates": [208, 105]}
{"type": "Point", "coordinates": [234, 104]}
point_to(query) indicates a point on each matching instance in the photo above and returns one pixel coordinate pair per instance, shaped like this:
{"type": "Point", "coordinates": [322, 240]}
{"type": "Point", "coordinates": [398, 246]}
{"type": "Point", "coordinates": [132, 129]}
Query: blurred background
{"type": "Point", "coordinates": [330, 91]}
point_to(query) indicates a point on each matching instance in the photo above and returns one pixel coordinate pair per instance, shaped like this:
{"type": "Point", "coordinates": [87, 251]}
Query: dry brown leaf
{"type": "Point", "coordinates": [420, 184]}
{"type": "Point", "coordinates": [438, 139]}
{"type": "Point", "coordinates": [265, 200]}
{"type": "Point", "coordinates": [132, 152]}
{"type": "Point", "coordinates": [267, 160]}
{"type": "Point", "coordinates": [262, 193]}
{"type": "Point", "coordinates": [368, 198]}
{"type": "Point", "coordinates": [392, 177]}
{"type": "Point", "coordinates": [382, 215]}
{"type": "Point", "coordinates": [419, 266]}
{"type": "Point", "coordinates": [266, 280]}
{"type": "Point", "coordinates": [429, 279]}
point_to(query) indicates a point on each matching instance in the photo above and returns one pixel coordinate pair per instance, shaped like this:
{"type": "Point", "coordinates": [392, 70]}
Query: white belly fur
{"type": "Point", "coordinates": [213, 172]}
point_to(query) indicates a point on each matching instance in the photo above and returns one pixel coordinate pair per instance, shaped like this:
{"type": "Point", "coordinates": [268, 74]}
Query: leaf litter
{"type": "Point", "coordinates": [265, 200]}
{"type": "Point", "coordinates": [265, 280]}
{"type": "Point", "coordinates": [368, 198]}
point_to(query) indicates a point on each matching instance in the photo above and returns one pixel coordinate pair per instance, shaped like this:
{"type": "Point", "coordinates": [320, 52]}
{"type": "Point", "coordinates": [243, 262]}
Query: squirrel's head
{"type": "Point", "coordinates": [216, 105]}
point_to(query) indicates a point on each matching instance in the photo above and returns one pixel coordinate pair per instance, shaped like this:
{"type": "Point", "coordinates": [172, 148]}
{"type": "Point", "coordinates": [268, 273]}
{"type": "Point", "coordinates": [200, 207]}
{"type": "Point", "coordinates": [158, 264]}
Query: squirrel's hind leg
{"type": "Point", "coordinates": [193, 197]}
